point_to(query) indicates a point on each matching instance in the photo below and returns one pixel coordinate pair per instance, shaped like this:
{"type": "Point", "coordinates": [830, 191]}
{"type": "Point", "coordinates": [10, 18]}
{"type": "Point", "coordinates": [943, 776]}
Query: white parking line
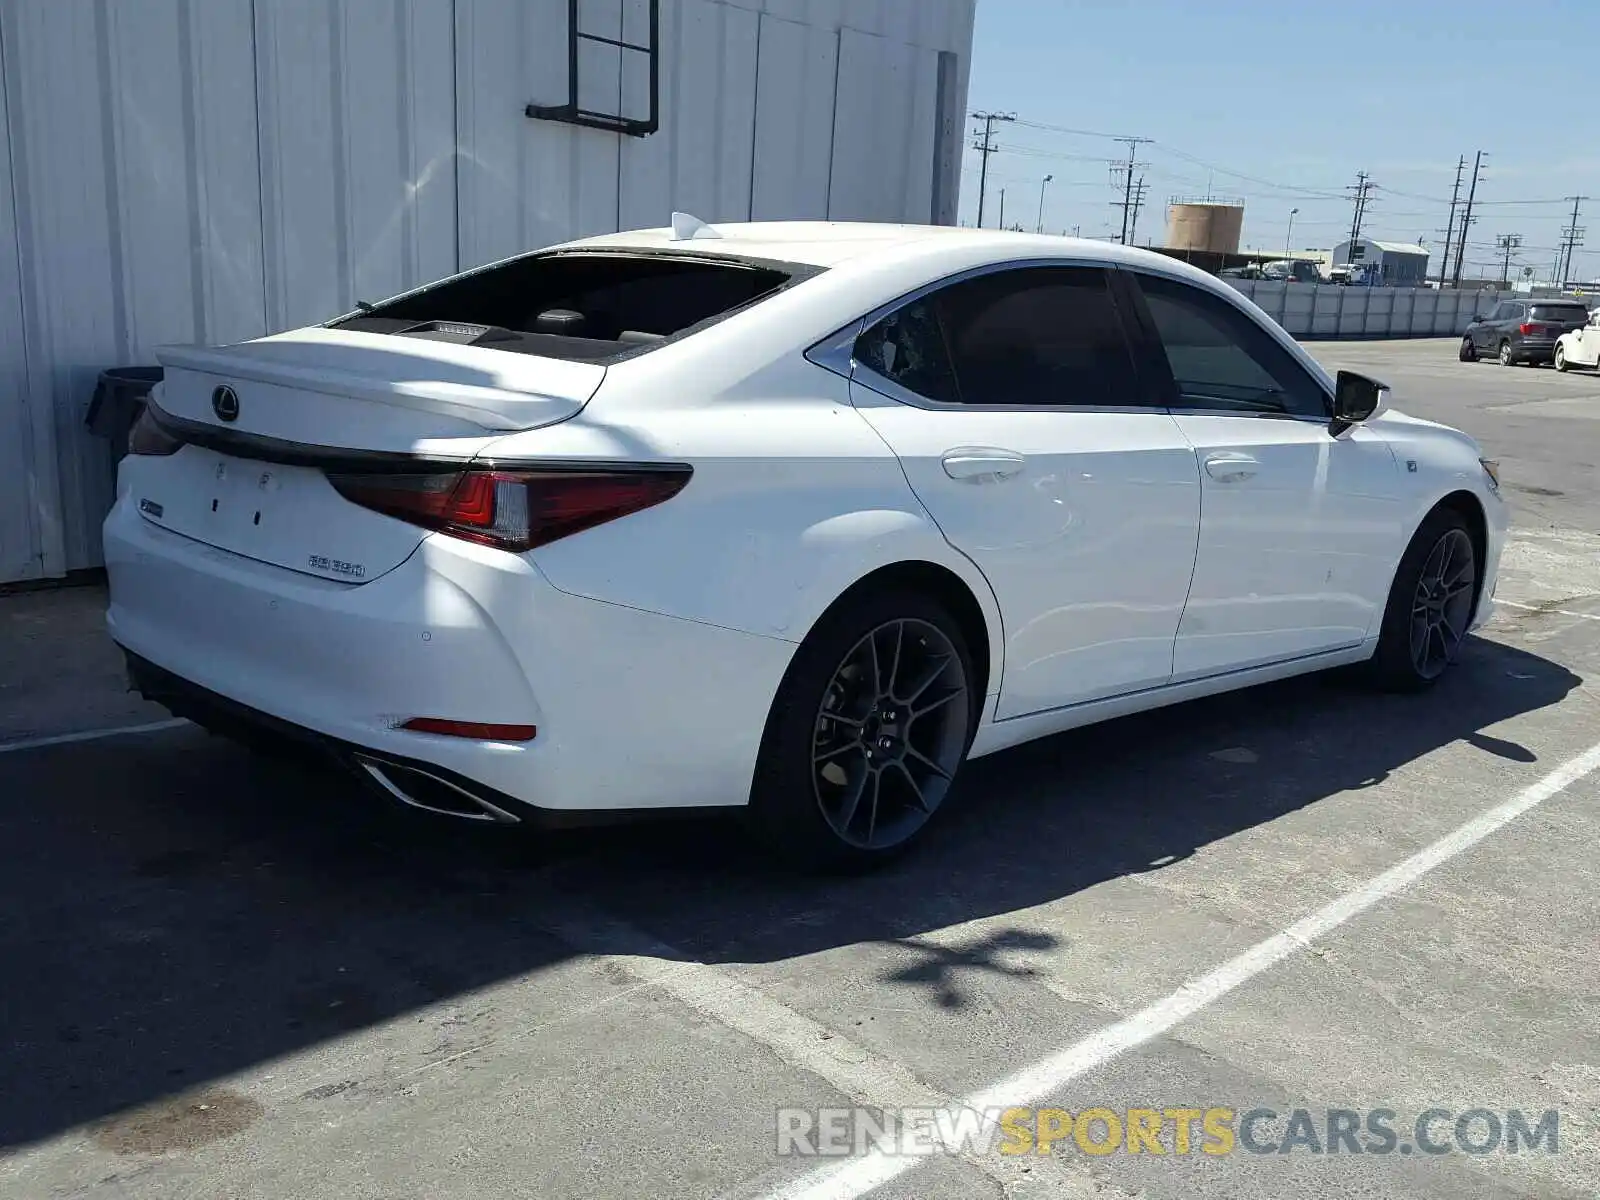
{"type": "Point", "coordinates": [1540, 608]}
{"type": "Point", "coordinates": [848, 1179]}
{"type": "Point", "coordinates": [89, 735]}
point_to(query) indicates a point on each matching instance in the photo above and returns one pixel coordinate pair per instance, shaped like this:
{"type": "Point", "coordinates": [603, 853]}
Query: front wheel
{"type": "Point", "coordinates": [1468, 352]}
{"type": "Point", "coordinates": [1561, 358]}
{"type": "Point", "coordinates": [866, 733]}
{"type": "Point", "coordinates": [1430, 605]}
{"type": "Point", "coordinates": [1506, 358]}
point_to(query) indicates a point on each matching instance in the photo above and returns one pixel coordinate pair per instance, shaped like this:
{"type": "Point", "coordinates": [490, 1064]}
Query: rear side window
{"type": "Point", "coordinates": [1036, 336]}
{"type": "Point", "coordinates": [582, 305]}
{"type": "Point", "coordinates": [908, 348]}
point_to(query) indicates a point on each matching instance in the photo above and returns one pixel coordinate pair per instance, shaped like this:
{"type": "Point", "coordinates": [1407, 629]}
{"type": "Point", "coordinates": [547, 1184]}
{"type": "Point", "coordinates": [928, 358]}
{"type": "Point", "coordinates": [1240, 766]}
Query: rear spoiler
{"type": "Point", "coordinates": [316, 360]}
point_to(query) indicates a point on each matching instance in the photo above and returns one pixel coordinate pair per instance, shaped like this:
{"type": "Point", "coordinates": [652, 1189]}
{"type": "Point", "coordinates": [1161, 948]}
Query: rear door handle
{"type": "Point", "coordinates": [982, 464]}
{"type": "Point", "coordinates": [1227, 468]}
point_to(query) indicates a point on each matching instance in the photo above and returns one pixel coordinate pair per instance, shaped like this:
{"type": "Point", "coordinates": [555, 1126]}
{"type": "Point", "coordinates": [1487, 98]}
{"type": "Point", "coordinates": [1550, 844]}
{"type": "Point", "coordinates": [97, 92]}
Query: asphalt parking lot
{"type": "Point", "coordinates": [231, 977]}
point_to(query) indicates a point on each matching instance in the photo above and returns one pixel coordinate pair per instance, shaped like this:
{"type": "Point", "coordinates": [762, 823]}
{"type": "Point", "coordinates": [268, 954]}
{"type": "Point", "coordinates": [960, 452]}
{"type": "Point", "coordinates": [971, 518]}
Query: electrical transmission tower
{"type": "Point", "coordinates": [1571, 239]}
{"type": "Point", "coordinates": [1126, 171]}
{"type": "Point", "coordinates": [985, 145]}
{"type": "Point", "coordinates": [1450, 225]}
{"type": "Point", "coordinates": [1467, 218]}
{"type": "Point", "coordinates": [1507, 242]}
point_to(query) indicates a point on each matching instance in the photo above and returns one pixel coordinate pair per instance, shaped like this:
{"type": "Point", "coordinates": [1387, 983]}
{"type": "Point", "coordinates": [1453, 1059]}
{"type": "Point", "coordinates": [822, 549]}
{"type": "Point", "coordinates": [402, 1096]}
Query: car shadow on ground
{"type": "Point", "coordinates": [178, 910]}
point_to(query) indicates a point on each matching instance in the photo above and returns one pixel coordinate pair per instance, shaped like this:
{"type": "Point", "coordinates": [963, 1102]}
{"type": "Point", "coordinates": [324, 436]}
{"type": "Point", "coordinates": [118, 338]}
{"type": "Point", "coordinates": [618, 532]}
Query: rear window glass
{"type": "Point", "coordinates": [594, 306]}
{"type": "Point", "coordinates": [1560, 312]}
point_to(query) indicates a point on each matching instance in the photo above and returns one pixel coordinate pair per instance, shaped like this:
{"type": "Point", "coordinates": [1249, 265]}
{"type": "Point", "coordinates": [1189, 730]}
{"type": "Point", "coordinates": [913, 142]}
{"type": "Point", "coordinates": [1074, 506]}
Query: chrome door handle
{"type": "Point", "coordinates": [1228, 467]}
{"type": "Point", "coordinates": [982, 464]}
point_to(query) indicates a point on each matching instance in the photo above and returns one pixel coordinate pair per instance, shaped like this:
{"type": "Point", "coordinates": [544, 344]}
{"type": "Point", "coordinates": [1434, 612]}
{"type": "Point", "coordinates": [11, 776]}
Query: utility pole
{"type": "Point", "coordinates": [1002, 224]}
{"type": "Point", "coordinates": [1450, 225]}
{"type": "Point", "coordinates": [1507, 242]}
{"type": "Point", "coordinates": [986, 146]}
{"type": "Point", "coordinates": [1139, 191]}
{"type": "Point", "coordinates": [1466, 219]}
{"type": "Point", "coordinates": [1043, 183]}
{"type": "Point", "coordinates": [1571, 239]}
{"type": "Point", "coordinates": [1127, 183]}
{"type": "Point", "coordinates": [1362, 186]}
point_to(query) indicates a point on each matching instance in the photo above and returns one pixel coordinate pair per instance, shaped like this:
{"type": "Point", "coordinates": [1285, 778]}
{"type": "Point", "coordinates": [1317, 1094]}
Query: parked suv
{"type": "Point", "coordinates": [1522, 330]}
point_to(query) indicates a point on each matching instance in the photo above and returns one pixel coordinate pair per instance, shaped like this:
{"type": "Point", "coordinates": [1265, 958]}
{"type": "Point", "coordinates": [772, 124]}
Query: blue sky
{"type": "Point", "coordinates": [1282, 102]}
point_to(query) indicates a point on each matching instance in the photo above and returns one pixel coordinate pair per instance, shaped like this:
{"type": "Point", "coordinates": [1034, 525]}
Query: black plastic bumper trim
{"type": "Point", "coordinates": [226, 717]}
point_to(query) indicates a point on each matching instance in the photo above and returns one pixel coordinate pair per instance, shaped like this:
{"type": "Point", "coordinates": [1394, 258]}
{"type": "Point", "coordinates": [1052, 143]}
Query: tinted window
{"type": "Point", "coordinates": [908, 348]}
{"type": "Point", "coordinates": [1049, 335]}
{"type": "Point", "coordinates": [1032, 336]}
{"type": "Point", "coordinates": [1221, 358]}
{"type": "Point", "coordinates": [1575, 313]}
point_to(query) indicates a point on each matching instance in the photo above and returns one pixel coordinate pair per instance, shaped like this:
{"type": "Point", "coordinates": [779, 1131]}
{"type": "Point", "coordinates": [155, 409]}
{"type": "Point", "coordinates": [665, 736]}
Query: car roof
{"type": "Point", "coordinates": [835, 243]}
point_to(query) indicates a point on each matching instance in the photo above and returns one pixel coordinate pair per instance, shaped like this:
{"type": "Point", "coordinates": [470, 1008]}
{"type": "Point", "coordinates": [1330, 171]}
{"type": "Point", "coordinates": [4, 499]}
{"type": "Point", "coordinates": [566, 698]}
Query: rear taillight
{"type": "Point", "coordinates": [1526, 328]}
{"type": "Point", "coordinates": [513, 510]}
{"type": "Point", "coordinates": [148, 437]}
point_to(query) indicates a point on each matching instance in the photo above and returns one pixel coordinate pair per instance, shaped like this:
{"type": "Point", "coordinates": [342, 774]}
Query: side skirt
{"type": "Point", "coordinates": [999, 735]}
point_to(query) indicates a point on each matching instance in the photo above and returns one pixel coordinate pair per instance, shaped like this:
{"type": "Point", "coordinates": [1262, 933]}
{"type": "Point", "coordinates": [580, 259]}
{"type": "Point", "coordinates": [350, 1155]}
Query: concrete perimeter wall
{"type": "Point", "coordinates": [1327, 310]}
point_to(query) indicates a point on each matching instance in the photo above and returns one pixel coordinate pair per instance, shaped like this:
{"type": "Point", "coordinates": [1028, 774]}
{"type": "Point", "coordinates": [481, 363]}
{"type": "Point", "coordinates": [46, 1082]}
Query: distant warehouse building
{"type": "Point", "coordinates": [1396, 264]}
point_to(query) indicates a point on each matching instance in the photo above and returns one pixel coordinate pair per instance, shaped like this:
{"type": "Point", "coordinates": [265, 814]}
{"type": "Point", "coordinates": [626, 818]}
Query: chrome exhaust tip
{"type": "Point", "coordinates": [420, 789]}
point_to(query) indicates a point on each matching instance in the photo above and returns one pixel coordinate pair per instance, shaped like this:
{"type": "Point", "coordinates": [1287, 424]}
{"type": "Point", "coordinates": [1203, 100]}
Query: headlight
{"type": "Point", "coordinates": [1491, 468]}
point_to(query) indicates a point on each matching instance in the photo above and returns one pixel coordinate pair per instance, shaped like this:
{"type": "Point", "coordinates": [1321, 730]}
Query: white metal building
{"type": "Point", "coordinates": [1396, 264]}
{"type": "Point", "coordinates": [210, 170]}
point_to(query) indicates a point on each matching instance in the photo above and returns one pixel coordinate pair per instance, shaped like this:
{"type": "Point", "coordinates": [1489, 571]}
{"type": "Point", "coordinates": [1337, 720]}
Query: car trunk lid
{"type": "Point", "coordinates": [263, 422]}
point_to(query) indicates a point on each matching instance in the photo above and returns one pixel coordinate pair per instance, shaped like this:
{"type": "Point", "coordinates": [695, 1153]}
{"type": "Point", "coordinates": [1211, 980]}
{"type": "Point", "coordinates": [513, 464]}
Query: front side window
{"type": "Point", "coordinates": [1032, 336]}
{"type": "Point", "coordinates": [1221, 358]}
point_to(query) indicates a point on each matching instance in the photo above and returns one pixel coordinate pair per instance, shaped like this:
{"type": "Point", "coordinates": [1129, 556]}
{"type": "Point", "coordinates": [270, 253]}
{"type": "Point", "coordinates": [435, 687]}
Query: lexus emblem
{"type": "Point", "coordinates": [225, 403]}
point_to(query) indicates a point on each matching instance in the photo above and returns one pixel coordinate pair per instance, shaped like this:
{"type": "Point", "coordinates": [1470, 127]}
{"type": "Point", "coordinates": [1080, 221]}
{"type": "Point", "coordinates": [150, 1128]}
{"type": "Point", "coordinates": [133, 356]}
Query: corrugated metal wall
{"type": "Point", "coordinates": [210, 170]}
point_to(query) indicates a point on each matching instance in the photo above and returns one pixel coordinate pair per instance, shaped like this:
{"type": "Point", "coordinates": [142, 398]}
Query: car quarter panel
{"type": "Point", "coordinates": [794, 498]}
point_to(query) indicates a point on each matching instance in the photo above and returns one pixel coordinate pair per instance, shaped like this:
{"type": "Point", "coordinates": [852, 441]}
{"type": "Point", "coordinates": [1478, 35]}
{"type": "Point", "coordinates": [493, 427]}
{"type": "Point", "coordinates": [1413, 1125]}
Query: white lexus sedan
{"type": "Point", "coordinates": [792, 518]}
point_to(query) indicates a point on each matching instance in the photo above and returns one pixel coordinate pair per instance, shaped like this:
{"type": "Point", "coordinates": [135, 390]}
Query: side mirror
{"type": "Point", "coordinates": [1356, 398]}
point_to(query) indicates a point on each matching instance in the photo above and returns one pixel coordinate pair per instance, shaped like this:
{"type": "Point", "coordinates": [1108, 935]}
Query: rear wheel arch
{"type": "Point", "coordinates": [957, 596]}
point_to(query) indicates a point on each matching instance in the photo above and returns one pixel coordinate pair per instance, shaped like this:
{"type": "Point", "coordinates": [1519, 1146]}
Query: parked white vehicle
{"type": "Point", "coordinates": [1580, 347]}
{"type": "Point", "coordinates": [790, 517]}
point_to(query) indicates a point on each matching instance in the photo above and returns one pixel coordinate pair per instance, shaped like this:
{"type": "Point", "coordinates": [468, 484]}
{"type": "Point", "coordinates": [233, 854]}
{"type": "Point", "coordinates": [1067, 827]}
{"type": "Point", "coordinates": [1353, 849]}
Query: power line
{"type": "Point", "coordinates": [1112, 137]}
{"type": "Point", "coordinates": [986, 147]}
{"type": "Point", "coordinates": [1466, 219]}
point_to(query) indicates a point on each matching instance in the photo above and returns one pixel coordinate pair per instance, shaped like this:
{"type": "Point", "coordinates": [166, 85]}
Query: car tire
{"type": "Point", "coordinates": [1468, 352]}
{"type": "Point", "coordinates": [1560, 359]}
{"type": "Point", "coordinates": [855, 760]}
{"type": "Point", "coordinates": [1430, 605]}
{"type": "Point", "coordinates": [1506, 357]}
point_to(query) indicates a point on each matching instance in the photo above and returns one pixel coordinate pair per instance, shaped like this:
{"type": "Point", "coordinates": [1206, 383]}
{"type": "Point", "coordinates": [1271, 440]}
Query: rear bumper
{"type": "Point", "coordinates": [1534, 349]}
{"type": "Point", "coordinates": [634, 710]}
{"type": "Point", "coordinates": [219, 714]}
